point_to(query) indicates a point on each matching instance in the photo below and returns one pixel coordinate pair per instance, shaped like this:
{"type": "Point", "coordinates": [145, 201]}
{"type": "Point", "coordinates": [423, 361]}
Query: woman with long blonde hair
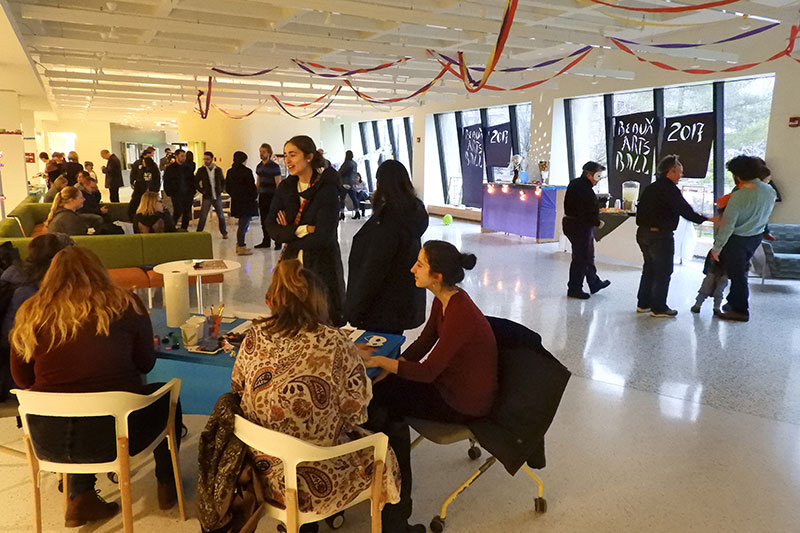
{"type": "Point", "coordinates": [64, 217]}
{"type": "Point", "coordinates": [151, 216]}
{"type": "Point", "coordinates": [82, 333]}
{"type": "Point", "coordinates": [301, 376]}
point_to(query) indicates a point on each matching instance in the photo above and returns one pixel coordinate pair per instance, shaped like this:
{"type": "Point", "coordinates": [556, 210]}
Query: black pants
{"type": "Point", "coordinates": [114, 194]}
{"type": "Point", "coordinates": [264, 200]}
{"type": "Point", "coordinates": [735, 258]}
{"type": "Point", "coordinates": [658, 250]}
{"type": "Point", "coordinates": [92, 439]}
{"type": "Point", "coordinates": [182, 207]}
{"type": "Point", "coordinates": [133, 205]}
{"type": "Point", "coordinates": [581, 237]}
{"type": "Point", "coordinates": [394, 399]}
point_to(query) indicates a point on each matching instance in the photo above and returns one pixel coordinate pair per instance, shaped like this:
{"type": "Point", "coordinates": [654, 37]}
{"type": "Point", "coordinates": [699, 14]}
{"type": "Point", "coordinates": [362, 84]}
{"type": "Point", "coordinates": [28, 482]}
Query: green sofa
{"type": "Point", "coordinates": [31, 215]}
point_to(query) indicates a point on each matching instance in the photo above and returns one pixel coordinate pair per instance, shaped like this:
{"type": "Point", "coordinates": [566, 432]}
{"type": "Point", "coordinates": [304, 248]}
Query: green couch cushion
{"type": "Point", "coordinates": [21, 244]}
{"type": "Point", "coordinates": [9, 228]}
{"type": "Point", "coordinates": [115, 251]}
{"type": "Point", "coordinates": [30, 215]}
{"type": "Point", "coordinates": [165, 247]}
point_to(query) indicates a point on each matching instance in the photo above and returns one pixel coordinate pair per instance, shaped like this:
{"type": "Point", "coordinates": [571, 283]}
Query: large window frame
{"type": "Point", "coordinates": [394, 132]}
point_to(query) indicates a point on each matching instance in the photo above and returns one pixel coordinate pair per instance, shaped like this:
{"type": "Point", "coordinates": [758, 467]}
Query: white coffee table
{"type": "Point", "coordinates": [187, 266]}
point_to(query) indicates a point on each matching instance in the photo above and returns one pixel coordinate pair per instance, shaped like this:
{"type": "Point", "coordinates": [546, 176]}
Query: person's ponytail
{"type": "Point", "coordinates": [56, 204]}
{"type": "Point", "coordinates": [67, 193]}
{"type": "Point", "coordinates": [445, 259]}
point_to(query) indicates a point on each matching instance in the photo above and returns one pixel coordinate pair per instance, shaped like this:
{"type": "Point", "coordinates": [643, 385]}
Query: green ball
{"type": "Point", "coordinates": [447, 219]}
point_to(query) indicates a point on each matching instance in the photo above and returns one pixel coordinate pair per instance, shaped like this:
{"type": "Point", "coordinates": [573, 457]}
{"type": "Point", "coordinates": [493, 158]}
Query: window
{"type": "Point", "coordinates": [448, 144]}
{"type": "Point", "coordinates": [627, 103]}
{"type": "Point", "coordinates": [523, 129]}
{"type": "Point", "coordinates": [401, 141]}
{"type": "Point", "coordinates": [386, 151]}
{"type": "Point", "coordinates": [589, 135]}
{"type": "Point", "coordinates": [747, 109]}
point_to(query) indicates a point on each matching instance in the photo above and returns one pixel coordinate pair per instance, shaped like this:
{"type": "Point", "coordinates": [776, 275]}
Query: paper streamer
{"type": "Point", "coordinates": [343, 72]}
{"type": "Point", "coordinates": [229, 73]}
{"type": "Point", "coordinates": [473, 86]}
{"type": "Point", "coordinates": [422, 90]}
{"type": "Point", "coordinates": [643, 22]}
{"type": "Point", "coordinates": [310, 115]}
{"type": "Point", "coordinates": [743, 35]}
{"type": "Point", "coordinates": [511, 69]}
{"type": "Point", "coordinates": [736, 68]}
{"type": "Point", "coordinates": [679, 9]}
{"type": "Point", "coordinates": [176, 297]}
{"type": "Point", "coordinates": [204, 113]}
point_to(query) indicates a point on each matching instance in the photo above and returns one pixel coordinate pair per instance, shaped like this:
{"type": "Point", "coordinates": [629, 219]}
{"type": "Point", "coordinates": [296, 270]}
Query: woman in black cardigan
{"type": "Point", "coordinates": [304, 214]}
{"type": "Point", "coordinates": [241, 185]}
{"type": "Point", "coordinates": [381, 292]}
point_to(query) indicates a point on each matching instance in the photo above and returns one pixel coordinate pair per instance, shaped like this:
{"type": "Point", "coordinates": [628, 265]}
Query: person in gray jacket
{"type": "Point", "coordinates": [63, 216]}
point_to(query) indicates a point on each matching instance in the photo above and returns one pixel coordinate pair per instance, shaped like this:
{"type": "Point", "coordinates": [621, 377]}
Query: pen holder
{"type": "Point", "coordinates": [213, 322]}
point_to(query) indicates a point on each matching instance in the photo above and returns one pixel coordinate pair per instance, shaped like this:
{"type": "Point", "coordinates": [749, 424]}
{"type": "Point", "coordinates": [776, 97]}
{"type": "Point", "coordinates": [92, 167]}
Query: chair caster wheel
{"type": "Point", "coordinates": [474, 453]}
{"type": "Point", "coordinates": [437, 524]}
{"type": "Point", "coordinates": [336, 521]}
{"type": "Point", "coordinates": [281, 528]}
{"type": "Point", "coordinates": [540, 505]}
{"type": "Point", "coordinates": [113, 477]}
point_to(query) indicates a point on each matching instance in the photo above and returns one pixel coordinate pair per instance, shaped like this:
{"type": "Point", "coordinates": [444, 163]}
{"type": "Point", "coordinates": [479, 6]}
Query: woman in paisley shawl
{"type": "Point", "coordinates": [298, 375]}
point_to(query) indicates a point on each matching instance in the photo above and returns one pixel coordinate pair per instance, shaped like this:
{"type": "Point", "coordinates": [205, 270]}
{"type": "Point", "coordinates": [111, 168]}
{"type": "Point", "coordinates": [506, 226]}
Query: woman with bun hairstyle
{"type": "Point", "coordinates": [304, 214]}
{"type": "Point", "coordinates": [457, 381]}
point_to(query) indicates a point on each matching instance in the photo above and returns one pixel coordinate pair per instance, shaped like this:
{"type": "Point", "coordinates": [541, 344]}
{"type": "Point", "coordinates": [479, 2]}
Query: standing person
{"type": "Point", "coordinates": [210, 182]}
{"type": "Point", "coordinates": [88, 166]}
{"type": "Point", "coordinates": [190, 164]}
{"type": "Point", "coordinates": [81, 332]}
{"type": "Point", "coordinates": [178, 185]}
{"type": "Point", "coordinates": [54, 189]}
{"type": "Point", "coordinates": [72, 168]}
{"type": "Point", "coordinates": [44, 158]}
{"type": "Point", "coordinates": [113, 171]}
{"type": "Point", "coordinates": [449, 374]}
{"type": "Point", "coordinates": [660, 206]}
{"type": "Point", "coordinates": [304, 214]}
{"type": "Point", "coordinates": [145, 176]}
{"type": "Point", "coordinates": [241, 186]}
{"type": "Point", "coordinates": [741, 231]}
{"type": "Point", "coordinates": [325, 163]}
{"type": "Point", "coordinates": [166, 160]}
{"type": "Point", "coordinates": [349, 175]}
{"type": "Point", "coordinates": [269, 177]}
{"type": "Point", "coordinates": [381, 293]}
{"type": "Point", "coordinates": [581, 216]}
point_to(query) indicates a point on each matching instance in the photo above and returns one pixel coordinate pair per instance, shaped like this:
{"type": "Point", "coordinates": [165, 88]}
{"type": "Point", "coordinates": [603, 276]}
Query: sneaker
{"type": "Point", "coordinates": [243, 250]}
{"type": "Point", "coordinates": [225, 236]}
{"type": "Point", "coordinates": [264, 244]}
{"type": "Point", "coordinates": [600, 287]}
{"type": "Point", "coordinates": [580, 295]}
{"type": "Point", "coordinates": [734, 315]}
{"type": "Point", "coordinates": [642, 309]}
{"type": "Point", "coordinates": [695, 308]}
{"type": "Point", "coordinates": [768, 237]}
{"type": "Point", "coordinates": [717, 311]}
{"type": "Point", "coordinates": [664, 313]}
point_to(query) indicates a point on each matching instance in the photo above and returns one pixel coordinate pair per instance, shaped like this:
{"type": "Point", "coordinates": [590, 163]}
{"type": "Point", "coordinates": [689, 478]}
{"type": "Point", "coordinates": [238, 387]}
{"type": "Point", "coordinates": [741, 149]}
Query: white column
{"type": "Point", "coordinates": [12, 174]}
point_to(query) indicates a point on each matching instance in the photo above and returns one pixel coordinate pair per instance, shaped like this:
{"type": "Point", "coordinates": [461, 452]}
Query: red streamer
{"type": "Point", "coordinates": [679, 9]}
{"type": "Point", "coordinates": [316, 113]}
{"type": "Point", "coordinates": [422, 90]}
{"type": "Point", "coordinates": [204, 114]}
{"type": "Point", "coordinates": [343, 72]}
{"type": "Point", "coordinates": [505, 29]}
{"type": "Point", "coordinates": [229, 73]}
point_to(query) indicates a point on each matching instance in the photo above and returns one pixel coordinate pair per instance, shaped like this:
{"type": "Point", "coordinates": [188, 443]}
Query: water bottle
{"type": "Point", "coordinates": [617, 204]}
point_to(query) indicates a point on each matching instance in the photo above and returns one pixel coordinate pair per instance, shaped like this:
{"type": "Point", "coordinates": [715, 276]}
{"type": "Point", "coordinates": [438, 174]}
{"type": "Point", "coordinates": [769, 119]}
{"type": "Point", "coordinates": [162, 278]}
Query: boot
{"type": "Point", "coordinates": [167, 495]}
{"type": "Point", "coordinates": [88, 507]}
{"type": "Point", "coordinates": [243, 250]}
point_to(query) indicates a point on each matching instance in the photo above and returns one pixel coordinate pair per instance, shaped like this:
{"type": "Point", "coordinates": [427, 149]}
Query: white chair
{"type": "Point", "coordinates": [294, 451]}
{"type": "Point", "coordinates": [118, 405]}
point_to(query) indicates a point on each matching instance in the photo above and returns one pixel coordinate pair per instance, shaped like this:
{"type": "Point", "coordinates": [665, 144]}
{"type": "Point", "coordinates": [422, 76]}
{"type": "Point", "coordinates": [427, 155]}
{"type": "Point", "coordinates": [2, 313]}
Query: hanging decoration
{"type": "Point", "coordinates": [416, 93]}
{"type": "Point", "coordinates": [343, 72]}
{"type": "Point", "coordinates": [313, 114]}
{"type": "Point", "coordinates": [642, 22]}
{"type": "Point", "coordinates": [583, 53]}
{"type": "Point", "coordinates": [510, 69]}
{"type": "Point", "coordinates": [505, 29]}
{"type": "Point", "coordinates": [245, 115]}
{"type": "Point", "coordinates": [204, 112]}
{"type": "Point", "coordinates": [737, 37]}
{"type": "Point", "coordinates": [677, 9]}
{"type": "Point", "coordinates": [229, 73]}
{"type": "Point", "coordinates": [736, 68]}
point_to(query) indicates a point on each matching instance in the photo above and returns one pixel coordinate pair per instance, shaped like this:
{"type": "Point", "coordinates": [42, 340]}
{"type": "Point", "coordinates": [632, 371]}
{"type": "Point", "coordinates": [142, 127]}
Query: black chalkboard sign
{"type": "Point", "coordinates": [498, 145]}
{"type": "Point", "coordinates": [634, 151]}
{"type": "Point", "coordinates": [472, 166]}
{"type": "Point", "coordinates": [690, 137]}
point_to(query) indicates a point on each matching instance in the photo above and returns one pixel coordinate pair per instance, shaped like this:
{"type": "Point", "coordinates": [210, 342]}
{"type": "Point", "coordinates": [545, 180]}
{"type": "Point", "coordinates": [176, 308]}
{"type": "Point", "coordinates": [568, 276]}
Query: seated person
{"type": "Point", "coordinates": [92, 212]}
{"type": "Point", "coordinates": [151, 217]}
{"type": "Point", "coordinates": [456, 383]}
{"type": "Point", "coordinates": [88, 166]}
{"type": "Point", "coordinates": [82, 333]}
{"type": "Point", "coordinates": [298, 375]}
{"type": "Point", "coordinates": [64, 217]}
{"type": "Point", "coordinates": [54, 189]}
{"type": "Point", "coordinates": [362, 193]}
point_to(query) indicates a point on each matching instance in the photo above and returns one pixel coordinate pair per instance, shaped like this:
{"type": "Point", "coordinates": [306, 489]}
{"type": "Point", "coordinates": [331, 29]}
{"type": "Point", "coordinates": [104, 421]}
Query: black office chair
{"type": "Point", "coordinates": [531, 383]}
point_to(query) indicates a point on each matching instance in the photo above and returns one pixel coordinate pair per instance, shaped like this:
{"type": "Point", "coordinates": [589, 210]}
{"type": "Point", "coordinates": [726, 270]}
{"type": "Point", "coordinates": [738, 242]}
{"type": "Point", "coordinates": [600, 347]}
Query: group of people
{"type": "Point", "coordinates": [741, 225]}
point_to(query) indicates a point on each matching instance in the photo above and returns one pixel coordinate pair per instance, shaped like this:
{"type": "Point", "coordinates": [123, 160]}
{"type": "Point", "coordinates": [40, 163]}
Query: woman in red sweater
{"type": "Point", "coordinates": [82, 333]}
{"type": "Point", "coordinates": [449, 374]}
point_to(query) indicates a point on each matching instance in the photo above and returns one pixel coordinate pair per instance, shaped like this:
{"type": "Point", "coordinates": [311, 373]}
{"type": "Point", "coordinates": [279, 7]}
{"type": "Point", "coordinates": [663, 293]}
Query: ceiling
{"type": "Point", "coordinates": [147, 58]}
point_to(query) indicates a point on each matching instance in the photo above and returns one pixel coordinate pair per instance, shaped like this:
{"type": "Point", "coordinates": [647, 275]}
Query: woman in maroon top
{"type": "Point", "coordinates": [455, 383]}
{"type": "Point", "coordinates": [82, 333]}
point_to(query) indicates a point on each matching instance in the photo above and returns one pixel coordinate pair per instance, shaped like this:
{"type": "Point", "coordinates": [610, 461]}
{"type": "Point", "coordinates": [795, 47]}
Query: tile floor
{"type": "Point", "coordinates": [686, 424]}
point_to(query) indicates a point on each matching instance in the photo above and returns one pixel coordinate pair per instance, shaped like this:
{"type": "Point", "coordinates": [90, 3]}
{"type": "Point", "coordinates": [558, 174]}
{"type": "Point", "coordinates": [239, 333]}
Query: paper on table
{"type": "Point", "coordinates": [176, 298]}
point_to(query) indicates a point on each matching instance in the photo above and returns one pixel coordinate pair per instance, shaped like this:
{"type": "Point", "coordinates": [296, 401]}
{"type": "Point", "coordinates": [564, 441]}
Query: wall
{"type": "Point", "coordinates": [12, 148]}
{"type": "Point", "coordinates": [121, 134]}
{"type": "Point", "coordinates": [91, 136]}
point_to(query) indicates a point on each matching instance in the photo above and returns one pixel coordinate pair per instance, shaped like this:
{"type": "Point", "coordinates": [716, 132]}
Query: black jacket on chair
{"type": "Point", "coordinates": [321, 252]}
{"type": "Point", "coordinates": [241, 186]}
{"type": "Point", "coordinates": [531, 384]}
{"type": "Point", "coordinates": [202, 182]}
{"type": "Point", "coordinates": [381, 292]}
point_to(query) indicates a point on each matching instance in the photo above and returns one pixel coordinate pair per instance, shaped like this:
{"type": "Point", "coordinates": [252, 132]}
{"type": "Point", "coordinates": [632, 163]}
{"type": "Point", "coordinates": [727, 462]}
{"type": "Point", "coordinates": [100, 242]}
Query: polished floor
{"type": "Point", "coordinates": [685, 424]}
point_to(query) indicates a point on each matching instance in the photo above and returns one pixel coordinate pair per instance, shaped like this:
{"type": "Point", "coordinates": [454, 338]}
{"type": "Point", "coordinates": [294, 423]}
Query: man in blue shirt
{"type": "Point", "coordinates": [743, 224]}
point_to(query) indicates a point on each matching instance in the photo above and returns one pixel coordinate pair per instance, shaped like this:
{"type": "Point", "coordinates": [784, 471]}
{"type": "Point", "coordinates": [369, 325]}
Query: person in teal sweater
{"type": "Point", "coordinates": [743, 225]}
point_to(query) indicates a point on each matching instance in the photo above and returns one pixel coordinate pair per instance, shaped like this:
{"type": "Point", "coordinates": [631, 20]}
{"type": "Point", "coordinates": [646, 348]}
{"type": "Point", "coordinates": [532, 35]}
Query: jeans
{"type": "Point", "coordinates": [241, 230]}
{"type": "Point", "coordinates": [735, 258]}
{"type": "Point", "coordinates": [581, 237]}
{"type": "Point", "coordinates": [394, 399]}
{"type": "Point", "coordinates": [264, 201]}
{"type": "Point", "coordinates": [713, 286]}
{"type": "Point", "coordinates": [92, 439]}
{"type": "Point", "coordinates": [658, 250]}
{"type": "Point", "coordinates": [207, 204]}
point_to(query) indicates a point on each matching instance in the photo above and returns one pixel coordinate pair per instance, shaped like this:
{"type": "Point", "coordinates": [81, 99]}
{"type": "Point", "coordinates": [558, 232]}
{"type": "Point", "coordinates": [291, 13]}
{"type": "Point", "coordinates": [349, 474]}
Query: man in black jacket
{"type": "Point", "coordinates": [210, 181]}
{"type": "Point", "coordinates": [180, 188]}
{"type": "Point", "coordinates": [581, 216]}
{"type": "Point", "coordinates": [660, 206]}
{"type": "Point", "coordinates": [145, 176]}
{"type": "Point", "coordinates": [113, 172]}
{"type": "Point", "coordinates": [269, 177]}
